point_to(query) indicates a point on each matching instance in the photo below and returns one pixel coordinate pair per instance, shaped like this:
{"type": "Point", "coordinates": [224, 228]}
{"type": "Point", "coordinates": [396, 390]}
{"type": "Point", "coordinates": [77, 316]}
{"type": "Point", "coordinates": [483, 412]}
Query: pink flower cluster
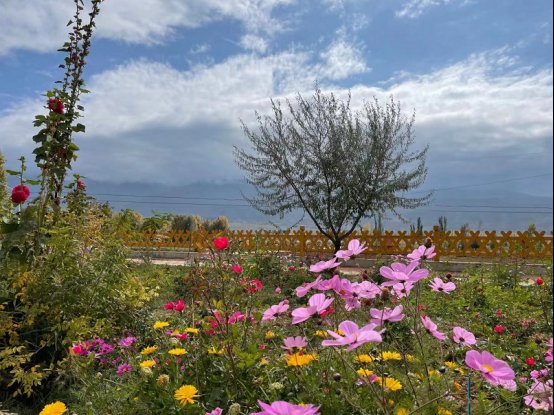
{"type": "Point", "coordinates": [178, 306]}
{"type": "Point", "coordinates": [285, 408]}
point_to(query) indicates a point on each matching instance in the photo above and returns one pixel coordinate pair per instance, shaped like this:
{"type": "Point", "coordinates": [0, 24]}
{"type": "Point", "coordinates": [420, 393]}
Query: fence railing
{"type": "Point", "coordinates": [487, 244]}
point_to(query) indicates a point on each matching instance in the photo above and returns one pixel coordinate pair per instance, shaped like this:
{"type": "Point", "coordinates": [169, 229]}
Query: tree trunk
{"type": "Point", "coordinates": [337, 244]}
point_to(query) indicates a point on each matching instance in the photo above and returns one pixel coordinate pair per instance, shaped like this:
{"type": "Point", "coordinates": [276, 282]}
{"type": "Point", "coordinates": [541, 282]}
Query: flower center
{"type": "Point", "coordinates": [488, 368]}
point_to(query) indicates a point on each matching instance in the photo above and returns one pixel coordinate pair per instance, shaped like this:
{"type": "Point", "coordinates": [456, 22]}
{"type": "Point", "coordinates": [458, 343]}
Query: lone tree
{"type": "Point", "coordinates": [338, 165]}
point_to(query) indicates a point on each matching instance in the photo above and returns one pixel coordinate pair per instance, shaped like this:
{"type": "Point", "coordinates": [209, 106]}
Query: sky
{"type": "Point", "coordinates": [171, 81]}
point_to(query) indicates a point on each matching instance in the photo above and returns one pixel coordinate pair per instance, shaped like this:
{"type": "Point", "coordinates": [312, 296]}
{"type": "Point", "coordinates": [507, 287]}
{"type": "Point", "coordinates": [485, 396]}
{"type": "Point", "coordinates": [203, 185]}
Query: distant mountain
{"type": "Point", "coordinates": [481, 209]}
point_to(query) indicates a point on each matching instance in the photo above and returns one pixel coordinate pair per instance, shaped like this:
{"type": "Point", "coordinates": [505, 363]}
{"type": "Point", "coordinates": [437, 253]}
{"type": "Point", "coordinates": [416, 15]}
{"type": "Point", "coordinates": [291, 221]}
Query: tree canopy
{"type": "Point", "coordinates": [337, 164]}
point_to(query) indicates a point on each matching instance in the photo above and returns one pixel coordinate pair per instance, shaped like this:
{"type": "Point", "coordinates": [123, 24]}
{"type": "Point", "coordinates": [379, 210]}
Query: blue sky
{"type": "Point", "coordinates": [171, 80]}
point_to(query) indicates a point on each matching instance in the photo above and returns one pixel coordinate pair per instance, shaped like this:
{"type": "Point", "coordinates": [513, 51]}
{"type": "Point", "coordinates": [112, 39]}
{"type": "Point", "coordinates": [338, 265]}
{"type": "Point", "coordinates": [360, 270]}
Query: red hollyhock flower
{"type": "Point", "coordinates": [221, 243]}
{"type": "Point", "coordinates": [237, 269]}
{"type": "Point", "coordinates": [56, 105]}
{"type": "Point", "coordinates": [530, 361]}
{"type": "Point", "coordinates": [20, 194]}
{"type": "Point", "coordinates": [499, 329]}
{"type": "Point", "coordinates": [81, 185]}
{"type": "Point", "coordinates": [540, 281]}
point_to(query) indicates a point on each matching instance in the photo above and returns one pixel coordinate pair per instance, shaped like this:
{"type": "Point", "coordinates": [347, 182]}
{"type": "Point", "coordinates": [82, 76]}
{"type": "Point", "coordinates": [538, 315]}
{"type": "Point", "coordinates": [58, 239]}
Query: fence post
{"type": "Point", "coordinates": [302, 240]}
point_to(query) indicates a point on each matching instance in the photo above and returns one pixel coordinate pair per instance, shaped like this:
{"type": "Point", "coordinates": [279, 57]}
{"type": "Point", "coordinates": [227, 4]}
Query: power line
{"type": "Point", "coordinates": [172, 203]}
{"type": "Point", "coordinates": [169, 197]}
{"type": "Point", "coordinates": [488, 211]}
{"type": "Point", "coordinates": [495, 207]}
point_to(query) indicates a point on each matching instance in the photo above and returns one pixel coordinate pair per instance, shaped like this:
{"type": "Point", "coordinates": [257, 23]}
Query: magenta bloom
{"type": "Point", "coordinates": [463, 336]}
{"type": "Point", "coordinates": [297, 342]}
{"type": "Point", "coordinates": [237, 269]}
{"type": "Point", "coordinates": [354, 336]}
{"type": "Point", "coordinates": [378, 317]}
{"type": "Point", "coordinates": [402, 273]}
{"type": "Point", "coordinates": [355, 248]}
{"type": "Point", "coordinates": [324, 265]}
{"type": "Point", "coordinates": [179, 305]}
{"type": "Point", "coordinates": [274, 310]}
{"type": "Point", "coordinates": [548, 354]}
{"type": "Point", "coordinates": [169, 306]}
{"type": "Point", "coordinates": [81, 349]}
{"type": "Point", "coordinates": [216, 411]}
{"type": "Point", "coordinates": [432, 328]}
{"type": "Point", "coordinates": [422, 253]}
{"type": "Point", "coordinates": [317, 304]}
{"type": "Point", "coordinates": [439, 285]}
{"type": "Point", "coordinates": [539, 396]}
{"type": "Point", "coordinates": [402, 289]}
{"type": "Point", "coordinates": [285, 408]}
{"type": "Point", "coordinates": [124, 368]}
{"type": "Point", "coordinates": [494, 370]}
{"type": "Point", "coordinates": [307, 286]}
{"type": "Point", "coordinates": [127, 341]}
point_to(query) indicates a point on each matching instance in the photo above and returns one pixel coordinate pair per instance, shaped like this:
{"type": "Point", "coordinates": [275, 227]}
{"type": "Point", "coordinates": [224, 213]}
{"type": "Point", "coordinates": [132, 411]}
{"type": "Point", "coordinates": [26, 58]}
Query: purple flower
{"type": "Point", "coordinates": [354, 249]}
{"type": "Point", "coordinates": [275, 310]}
{"type": "Point", "coordinates": [216, 411]}
{"type": "Point", "coordinates": [494, 370]}
{"type": "Point", "coordinates": [402, 273]}
{"type": "Point", "coordinates": [127, 341]}
{"type": "Point", "coordinates": [317, 304]}
{"type": "Point", "coordinates": [378, 317]}
{"type": "Point", "coordinates": [324, 265]}
{"type": "Point", "coordinates": [105, 348]}
{"type": "Point", "coordinates": [124, 368]}
{"type": "Point", "coordinates": [422, 253]}
{"type": "Point", "coordinates": [432, 328]}
{"type": "Point", "coordinates": [354, 336]}
{"type": "Point", "coordinates": [285, 408]}
{"type": "Point", "coordinates": [297, 342]}
{"type": "Point", "coordinates": [439, 285]}
{"type": "Point", "coordinates": [463, 336]}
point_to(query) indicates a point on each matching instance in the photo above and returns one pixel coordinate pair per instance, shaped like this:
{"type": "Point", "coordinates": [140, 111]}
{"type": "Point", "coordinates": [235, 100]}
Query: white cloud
{"type": "Point", "coordinates": [415, 8]}
{"type": "Point", "coordinates": [150, 122]}
{"type": "Point", "coordinates": [342, 59]}
{"type": "Point", "coordinates": [254, 43]}
{"type": "Point", "coordinates": [39, 25]}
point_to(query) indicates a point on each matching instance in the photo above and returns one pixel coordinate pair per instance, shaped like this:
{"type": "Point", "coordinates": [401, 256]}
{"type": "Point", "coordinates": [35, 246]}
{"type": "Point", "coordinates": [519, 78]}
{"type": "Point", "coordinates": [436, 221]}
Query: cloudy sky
{"type": "Point", "coordinates": [171, 80]}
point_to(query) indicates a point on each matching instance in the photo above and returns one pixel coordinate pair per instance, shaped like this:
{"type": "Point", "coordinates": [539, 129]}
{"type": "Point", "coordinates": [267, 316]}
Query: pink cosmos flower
{"type": "Point", "coordinates": [354, 336]}
{"type": "Point", "coordinates": [307, 286]}
{"type": "Point", "coordinates": [378, 317]}
{"type": "Point", "coordinates": [124, 368]}
{"type": "Point", "coordinates": [402, 273]}
{"type": "Point", "coordinates": [236, 316]}
{"type": "Point", "coordinates": [324, 265]}
{"type": "Point", "coordinates": [237, 269]}
{"type": "Point", "coordinates": [422, 253]}
{"type": "Point", "coordinates": [285, 408]}
{"type": "Point", "coordinates": [402, 289]}
{"type": "Point", "coordinates": [463, 336]}
{"type": "Point", "coordinates": [537, 374]}
{"type": "Point", "coordinates": [432, 328]}
{"type": "Point", "coordinates": [216, 411]}
{"type": "Point", "coordinates": [494, 370]}
{"type": "Point", "coordinates": [439, 285]}
{"type": "Point", "coordinates": [355, 248]}
{"type": "Point", "coordinates": [275, 310]}
{"type": "Point", "coordinates": [317, 304]}
{"type": "Point", "coordinates": [548, 354]}
{"type": "Point", "coordinates": [539, 396]}
{"type": "Point", "coordinates": [352, 292]}
{"type": "Point", "coordinates": [297, 342]}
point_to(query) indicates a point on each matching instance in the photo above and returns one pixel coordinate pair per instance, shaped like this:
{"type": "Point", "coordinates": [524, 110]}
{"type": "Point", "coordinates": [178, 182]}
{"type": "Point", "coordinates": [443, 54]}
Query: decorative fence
{"type": "Point", "coordinates": [486, 244]}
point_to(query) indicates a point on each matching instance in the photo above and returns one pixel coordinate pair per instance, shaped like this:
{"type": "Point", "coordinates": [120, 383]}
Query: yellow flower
{"type": "Point", "coordinates": [192, 330]}
{"type": "Point", "coordinates": [451, 365]}
{"type": "Point", "coordinates": [264, 361]}
{"type": "Point", "coordinates": [269, 335]}
{"type": "Point", "coordinates": [457, 387]}
{"type": "Point", "coordinates": [443, 411]}
{"type": "Point", "coordinates": [410, 358]}
{"type": "Point", "coordinates": [147, 364]}
{"type": "Point", "coordinates": [186, 394]}
{"type": "Point", "coordinates": [300, 359]}
{"type": "Point", "coordinates": [321, 333]}
{"type": "Point", "coordinates": [340, 332]}
{"type": "Point", "coordinates": [213, 350]}
{"type": "Point", "coordinates": [389, 384]}
{"type": "Point", "coordinates": [160, 324]}
{"type": "Point", "coordinates": [364, 358]}
{"type": "Point", "coordinates": [177, 352]}
{"type": "Point", "coordinates": [364, 373]}
{"type": "Point", "coordinates": [390, 356]}
{"type": "Point", "coordinates": [434, 373]}
{"type": "Point", "coordinates": [148, 350]}
{"type": "Point", "coordinates": [56, 408]}
{"type": "Point", "coordinates": [402, 411]}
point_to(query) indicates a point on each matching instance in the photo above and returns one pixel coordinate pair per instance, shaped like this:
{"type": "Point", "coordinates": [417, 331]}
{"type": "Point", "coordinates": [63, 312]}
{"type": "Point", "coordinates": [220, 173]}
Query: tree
{"type": "Point", "coordinates": [338, 165]}
{"type": "Point", "coordinates": [5, 202]}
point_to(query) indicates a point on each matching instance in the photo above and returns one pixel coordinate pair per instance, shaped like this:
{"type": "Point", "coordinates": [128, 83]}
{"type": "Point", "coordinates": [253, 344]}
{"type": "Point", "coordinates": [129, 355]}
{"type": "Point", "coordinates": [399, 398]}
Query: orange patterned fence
{"type": "Point", "coordinates": [532, 245]}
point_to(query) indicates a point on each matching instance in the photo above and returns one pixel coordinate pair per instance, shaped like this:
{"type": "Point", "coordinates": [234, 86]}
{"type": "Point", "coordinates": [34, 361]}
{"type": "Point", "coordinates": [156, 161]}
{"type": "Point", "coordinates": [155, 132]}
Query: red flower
{"type": "Point", "coordinates": [540, 281]}
{"type": "Point", "coordinates": [81, 185]}
{"type": "Point", "coordinates": [20, 194]}
{"type": "Point", "coordinates": [530, 361]}
{"type": "Point", "coordinates": [221, 243]}
{"type": "Point", "coordinates": [56, 105]}
{"type": "Point", "coordinates": [179, 305]}
{"type": "Point", "coordinates": [169, 306]}
{"type": "Point", "coordinates": [237, 269]}
{"type": "Point", "coordinates": [420, 307]}
{"type": "Point", "coordinates": [292, 268]}
{"type": "Point", "coordinates": [499, 313]}
{"type": "Point", "coordinates": [325, 313]}
{"type": "Point", "coordinates": [499, 329]}
{"type": "Point", "coordinates": [251, 286]}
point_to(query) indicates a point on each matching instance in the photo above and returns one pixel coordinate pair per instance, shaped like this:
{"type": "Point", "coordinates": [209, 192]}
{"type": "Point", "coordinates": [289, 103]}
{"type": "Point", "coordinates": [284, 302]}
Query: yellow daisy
{"type": "Point", "coordinates": [364, 358]}
{"type": "Point", "coordinates": [213, 350]}
{"type": "Point", "coordinates": [56, 408]}
{"type": "Point", "coordinates": [364, 373]}
{"type": "Point", "coordinates": [402, 411]}
{"type": "Point", "coordinates": [300, 359]}
{"type": "Point", "coordinates": [177, 352]}
{"type": "Point", "coordinates": [269, 335]}
{"type": "Point", "coordinates": [186, 394]}
{"type": "Point", "coordinates": [451, 365]}
{"type": "Point", "coordinates": [321, 333]}
{"type": "Point", "coordinates": [410, 358]}
{"type": "Point", "coordinates": [148, 350]}
{"type": "Point", "coordinates": [389, 384]}
{"type": "Point", "coordinates": [192, 330]}
{"type": "Point", "coordinates": [160, 325]}
{"type": "Point", "coordinates": [443, 411]}
{"type": "Point", "coordinates": [147, 364]}
{"type": "Point", "coordinates": [390, 356]}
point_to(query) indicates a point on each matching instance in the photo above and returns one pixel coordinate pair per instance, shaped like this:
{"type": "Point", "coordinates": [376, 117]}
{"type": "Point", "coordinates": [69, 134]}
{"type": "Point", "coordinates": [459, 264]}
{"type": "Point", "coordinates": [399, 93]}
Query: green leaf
{"type": "Point", "coordinates": [32, 182]}
{"type": "Point", "coordinates": [73, 147]}
{"type": "Point", "coordinates": [79, 128]}
{"type": "Point", "coordinates": [12, 172]}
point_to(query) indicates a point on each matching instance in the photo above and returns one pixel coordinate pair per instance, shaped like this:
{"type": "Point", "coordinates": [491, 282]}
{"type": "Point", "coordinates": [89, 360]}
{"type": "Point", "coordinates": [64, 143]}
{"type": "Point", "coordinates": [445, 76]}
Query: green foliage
{"type": "Point", "coordinates": [186, 223]}
{"type": "Point", "coordinates": [219, 224]}
{"type": "Point", "coordinates": [128, 220]}
{"type": "Point", "coordinates": [158, 223]}
{"type": "Point", "coordinates": [5, 201]}
{"type": "Point", "coordinates": [418, 228]}
{"type": "Point", "coordinates": [443, 224]}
